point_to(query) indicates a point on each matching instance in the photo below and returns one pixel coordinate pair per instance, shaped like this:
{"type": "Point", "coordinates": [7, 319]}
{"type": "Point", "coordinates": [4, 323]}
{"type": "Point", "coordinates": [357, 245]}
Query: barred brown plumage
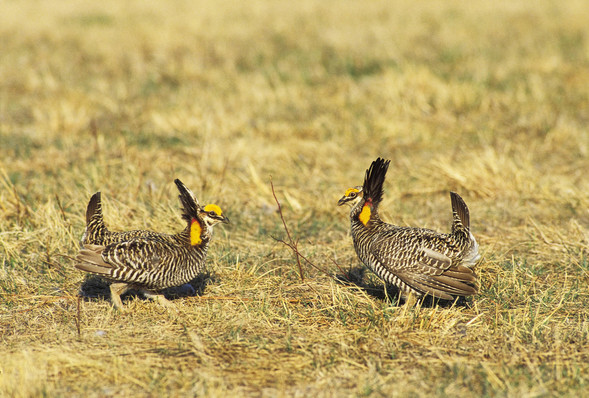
{"type": "Point", "coordinates": [147, 260]}
{"type": "Point", "coordinates": [418, 261]}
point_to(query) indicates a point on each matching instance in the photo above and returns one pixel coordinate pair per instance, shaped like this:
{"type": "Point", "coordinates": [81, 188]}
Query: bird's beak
{"type": "Point", "coordinates": [341, 201]}
{"type": "Point", "coordinates": [226, 220]}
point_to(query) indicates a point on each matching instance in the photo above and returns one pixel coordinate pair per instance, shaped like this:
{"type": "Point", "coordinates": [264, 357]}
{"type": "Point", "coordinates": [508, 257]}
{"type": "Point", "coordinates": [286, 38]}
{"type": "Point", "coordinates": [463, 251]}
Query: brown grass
{"type": "Point", "coordinates": [488, 99]}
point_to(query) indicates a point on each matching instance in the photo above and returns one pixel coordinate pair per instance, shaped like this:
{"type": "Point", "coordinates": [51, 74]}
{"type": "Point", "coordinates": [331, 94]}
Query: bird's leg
{"type": "Point", "coordinates": [116, 289]}
{"type": "Point", "coordinates": [150, 294]}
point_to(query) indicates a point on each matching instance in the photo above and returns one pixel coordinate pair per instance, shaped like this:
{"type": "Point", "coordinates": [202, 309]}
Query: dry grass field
{"type": "Point", "coordinates": [489, 99]}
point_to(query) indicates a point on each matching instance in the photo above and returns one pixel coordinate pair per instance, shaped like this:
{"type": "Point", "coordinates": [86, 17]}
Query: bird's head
{"type": "Point", "coordinates": [200, 219]}
{"type": "Point", "coordinates": [212, 214]}
{"type": "Point", "coordinates": [202, 225]}
{"type": "Point", "coordinates": [364, 200]}
{"type": "Point", "coordinates": [351, 197]}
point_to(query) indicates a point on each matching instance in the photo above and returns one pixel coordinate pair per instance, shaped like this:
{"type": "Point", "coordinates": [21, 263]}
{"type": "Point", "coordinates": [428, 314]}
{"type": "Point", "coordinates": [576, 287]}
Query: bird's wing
{"type": "Point", "coordinates": [90, 259]}
{"type": "Point", "coordinates": [409, 255]}
{"type": "Point", "coordinates": [138, 254]}
{"type": "Point", "coordinates": [410, 250]}
{"type": "Point", "coordinates": [130, 261]}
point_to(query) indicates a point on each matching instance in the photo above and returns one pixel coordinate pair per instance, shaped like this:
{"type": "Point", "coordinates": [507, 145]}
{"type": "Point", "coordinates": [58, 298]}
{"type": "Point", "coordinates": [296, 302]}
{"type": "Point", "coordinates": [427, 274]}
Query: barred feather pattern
{"type": "Point", "coordinates": [145, 259]}
{"type": "Point", "coordinates": [96, 232]}
{"type": "Point", "coordinates": [168, 260]}
{"type": "Point", "coordinates": [417, 260]}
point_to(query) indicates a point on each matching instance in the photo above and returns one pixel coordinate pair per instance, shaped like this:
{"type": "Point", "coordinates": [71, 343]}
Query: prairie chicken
{"type": "Point", "coordinates": [418, 261]}
{"type": "Point", "coordinates": [146, 260]}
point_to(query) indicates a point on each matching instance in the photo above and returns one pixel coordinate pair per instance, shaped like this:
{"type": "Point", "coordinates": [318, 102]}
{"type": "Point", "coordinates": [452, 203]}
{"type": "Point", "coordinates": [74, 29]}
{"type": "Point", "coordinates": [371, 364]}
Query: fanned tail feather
{"type": "Point", "coordinates": [95, 226]}
{"type": "Point", "coordinates": [460, 212]}
{"type": "Point", "coordinates": [94, 209]}
{"type": "Point", "coordinates": [461, 229]}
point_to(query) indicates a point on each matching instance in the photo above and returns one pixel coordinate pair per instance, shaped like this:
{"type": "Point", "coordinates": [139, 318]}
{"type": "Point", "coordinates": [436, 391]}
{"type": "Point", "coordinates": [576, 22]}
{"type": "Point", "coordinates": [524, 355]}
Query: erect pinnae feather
{"type": "Point", "coordinates": [374, 180]}
{"type": "Point", "coordinates": [189, 202]}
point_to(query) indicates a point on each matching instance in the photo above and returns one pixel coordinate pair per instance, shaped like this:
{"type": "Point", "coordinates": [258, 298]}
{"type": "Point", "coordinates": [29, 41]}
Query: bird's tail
{"type": "Point", "coordinates": [94, 221]}
{"type": "Point", "coordinates": [461, 229]}
{"type": "Point", "coordinates": [461, 221]}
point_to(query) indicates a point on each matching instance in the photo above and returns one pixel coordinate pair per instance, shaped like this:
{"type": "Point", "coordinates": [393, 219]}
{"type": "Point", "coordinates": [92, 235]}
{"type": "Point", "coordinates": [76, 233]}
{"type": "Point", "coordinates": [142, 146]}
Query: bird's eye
{"type": "Point", "coordinates": [212, 214]}
{"type": "Point", "coordinates": [352, 194]}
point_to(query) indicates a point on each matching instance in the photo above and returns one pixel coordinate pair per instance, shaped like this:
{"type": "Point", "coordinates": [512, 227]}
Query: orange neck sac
{"type": "Point", "coordinates": [195, 232]}
{"type": "Point", "coordinates": [365, 214]}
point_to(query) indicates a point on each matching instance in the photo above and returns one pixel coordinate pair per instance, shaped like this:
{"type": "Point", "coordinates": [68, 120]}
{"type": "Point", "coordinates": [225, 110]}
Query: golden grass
{"type": "Point", "coordinates": [487, 98]}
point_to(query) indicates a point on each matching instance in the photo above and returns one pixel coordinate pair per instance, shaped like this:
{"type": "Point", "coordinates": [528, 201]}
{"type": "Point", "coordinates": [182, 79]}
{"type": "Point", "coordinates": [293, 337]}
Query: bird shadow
{"type": "Point", "coordinates": [95, 287]}
{"type": "Point", "coordinates": [389, 293]}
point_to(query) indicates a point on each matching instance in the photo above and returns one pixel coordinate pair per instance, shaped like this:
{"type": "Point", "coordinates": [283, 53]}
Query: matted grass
{"type": "Point", "coordinates": [485, 98]}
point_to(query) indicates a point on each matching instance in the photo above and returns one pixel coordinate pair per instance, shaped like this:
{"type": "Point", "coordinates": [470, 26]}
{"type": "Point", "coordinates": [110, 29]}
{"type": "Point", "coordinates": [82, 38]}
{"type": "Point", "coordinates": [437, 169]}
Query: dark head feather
{"type": "Point", "coordinates": [189, 202]}
{"type": "Point", "coordinates": [374, 180]}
